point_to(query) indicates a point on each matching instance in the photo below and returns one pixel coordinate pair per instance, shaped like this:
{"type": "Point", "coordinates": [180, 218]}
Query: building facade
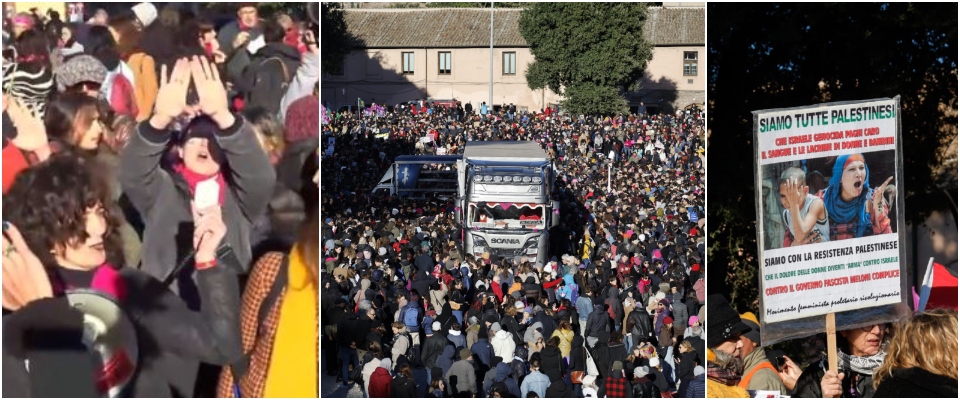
{"type": "Point", "coordinates": [408, 54]}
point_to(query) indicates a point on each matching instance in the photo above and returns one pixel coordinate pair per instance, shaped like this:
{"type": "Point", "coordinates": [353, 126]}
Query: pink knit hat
{"type": "Point", "coordinates": [302, 120]}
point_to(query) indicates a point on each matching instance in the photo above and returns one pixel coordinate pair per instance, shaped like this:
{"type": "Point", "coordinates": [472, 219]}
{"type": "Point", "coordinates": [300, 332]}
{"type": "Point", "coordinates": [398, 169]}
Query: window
{"type": "Point", "coordinates": [690, 63]}
{"type": "Point", "coordinates": [444, 60]}
{"type": "Point", "coordinates": [408, 61]}
{"type": "Point", "coordinates": [510, 63]}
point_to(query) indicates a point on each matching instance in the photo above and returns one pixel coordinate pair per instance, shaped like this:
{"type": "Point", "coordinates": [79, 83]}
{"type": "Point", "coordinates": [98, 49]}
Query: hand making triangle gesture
{"type": "Point", "coordinates": [172, 97]}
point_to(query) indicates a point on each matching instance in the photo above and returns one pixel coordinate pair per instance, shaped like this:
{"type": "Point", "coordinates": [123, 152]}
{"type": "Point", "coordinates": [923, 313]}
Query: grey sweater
{"type": "Point", "coordinates": [163, 197]}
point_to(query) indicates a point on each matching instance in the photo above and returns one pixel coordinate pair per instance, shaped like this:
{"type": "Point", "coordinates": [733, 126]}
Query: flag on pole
{"type": "Point", "coordinates": [360, 102]}
{"type": "Point", "coordinates": [939, 288]}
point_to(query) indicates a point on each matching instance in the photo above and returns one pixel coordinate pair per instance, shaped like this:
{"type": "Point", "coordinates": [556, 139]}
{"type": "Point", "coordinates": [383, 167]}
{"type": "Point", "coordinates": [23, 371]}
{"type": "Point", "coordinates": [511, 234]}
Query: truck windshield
{"type": "Point", "coordinates": [507, 215]}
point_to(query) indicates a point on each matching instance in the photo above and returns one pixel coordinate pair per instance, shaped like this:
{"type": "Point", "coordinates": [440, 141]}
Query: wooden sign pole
{"type": "Point", "coordinates": [832, 341]}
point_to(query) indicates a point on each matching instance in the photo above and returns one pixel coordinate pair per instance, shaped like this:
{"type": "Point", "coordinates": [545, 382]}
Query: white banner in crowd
{"type": "Point", "coordinates": [827, 182]}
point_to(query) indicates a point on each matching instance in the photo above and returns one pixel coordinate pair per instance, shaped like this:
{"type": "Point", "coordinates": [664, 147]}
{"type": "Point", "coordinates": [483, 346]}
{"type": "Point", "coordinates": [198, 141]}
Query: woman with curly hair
{"type": "Point", "coordinates": [60, 236]}
{"type": "Point", "coordinates": [922, 358]}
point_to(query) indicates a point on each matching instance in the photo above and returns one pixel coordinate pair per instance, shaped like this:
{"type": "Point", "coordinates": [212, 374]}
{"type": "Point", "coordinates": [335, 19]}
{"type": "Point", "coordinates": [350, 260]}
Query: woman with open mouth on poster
{"type": "Point", "coordinates": [855, 209]}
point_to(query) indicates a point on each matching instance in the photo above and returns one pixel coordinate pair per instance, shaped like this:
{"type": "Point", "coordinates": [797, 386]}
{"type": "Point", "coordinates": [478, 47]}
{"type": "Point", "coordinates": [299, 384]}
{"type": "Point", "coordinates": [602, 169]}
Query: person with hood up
{"type": "Point", "coordinates": [535, 381]}
{"type": "Point", "coordinates": [445, 359]}
{"type": "Point", "coordinates": [551, 360]}
{"type": "Point", "coordinates": [531, 290]}
{"type": "Point", "coordinates": [381, 381]}
{"type": "Point", "coordinates": [559, 390]}
{"type": "Point", "coordinates": [502, 342]}
{"type": "Point", "coordinates": [502, 374]}
{"type": "Point", "coordinates": [569, 289]}
{"type": "Point", "coordinates": [597, 322]}
{"type": "Point", "coordinates": [482, 348]}
{"type": "Point", "coordinates": [533, 337]}
{"type": "Point", "coordinates": [462, 376]}
{"type": "Point", "coordinates": [578, 355]}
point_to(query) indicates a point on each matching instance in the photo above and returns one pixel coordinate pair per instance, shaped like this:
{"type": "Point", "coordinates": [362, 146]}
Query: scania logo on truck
{"type": "Point", "coordinates": [504, 241]}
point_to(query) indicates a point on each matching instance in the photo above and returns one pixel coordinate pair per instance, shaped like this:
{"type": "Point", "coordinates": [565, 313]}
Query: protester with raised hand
{"type": "Point", "coordinates": [56, 217]}
{"type": "Point", "coordinates": [216, 150]}
{"type": "Point", "coordinates": [25, 140]}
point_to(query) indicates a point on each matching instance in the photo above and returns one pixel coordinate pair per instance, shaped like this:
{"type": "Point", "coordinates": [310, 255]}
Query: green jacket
{"type": "Point", "coordinates": [763, 378]}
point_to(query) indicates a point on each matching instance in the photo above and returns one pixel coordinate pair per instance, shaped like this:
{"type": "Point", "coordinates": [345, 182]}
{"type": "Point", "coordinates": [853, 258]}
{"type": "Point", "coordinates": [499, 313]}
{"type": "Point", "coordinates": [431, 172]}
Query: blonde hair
{"type": "Point", "coordinates": [910, 346]}
{"type": "Point", "coordinates": [686, 345]}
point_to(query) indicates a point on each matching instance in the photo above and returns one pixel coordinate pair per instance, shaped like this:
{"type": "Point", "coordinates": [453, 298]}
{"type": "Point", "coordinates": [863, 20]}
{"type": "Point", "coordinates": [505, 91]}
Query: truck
{"type": "Point", "coordinates": [505, 201]}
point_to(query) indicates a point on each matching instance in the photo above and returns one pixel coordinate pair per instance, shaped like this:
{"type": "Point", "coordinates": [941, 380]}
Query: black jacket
{"type": "Point", "coordinates": [551, 363]}
{"type": "Point", "coordinates": [559, 390]}
{"type": "Point", "coordinates": [597, 321]}
{"type": "Point", "coordinates": [264, 81]}
{"type": "Point", "coordinates": [531, 289]}
{"type": "Point", "coordinates": [511, 325]}
{"type": "Point", "coordinates": [578, 354]}
{"type": "Point", "coordinates": [349, 329]}
{"type": "Point", "coordinates": [639, 325]}
{"type": "Point", "coordinates": [916, 383]}
{"type": "Point", "coordinates": [644, 387]}
{"type": "Point", "coordinates": [172, 340]}
{"type": "Point", "coordinates": [606, 355]}
{"type": "Point", "coordinates": [432, 348]}
{"type": "Point", "coordinates": [808, 385]}
{"type": "Point", "coordinates": [403, 388]}
{"type": "Point", "coordinates": [688, 361]}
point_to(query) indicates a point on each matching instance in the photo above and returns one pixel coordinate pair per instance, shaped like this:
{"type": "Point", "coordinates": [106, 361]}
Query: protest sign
{"type": "Point", "coordinates": [829, 226]}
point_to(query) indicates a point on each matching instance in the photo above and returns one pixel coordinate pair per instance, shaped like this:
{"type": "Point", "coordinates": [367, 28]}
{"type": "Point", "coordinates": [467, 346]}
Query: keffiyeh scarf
{"type": "Point", "coordinates": [863, 365]}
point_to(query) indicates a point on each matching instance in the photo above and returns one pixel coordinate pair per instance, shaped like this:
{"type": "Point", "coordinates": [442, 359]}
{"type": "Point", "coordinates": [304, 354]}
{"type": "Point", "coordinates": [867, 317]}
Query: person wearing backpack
{"type": "Point", "coordinates": [280, 299]}
{"type": "Point", "coordinates": [410, 317]}
{"type": "Point", "coordinates": [271, 69]}
{"type": "Point", "coordinates": [502, 382]}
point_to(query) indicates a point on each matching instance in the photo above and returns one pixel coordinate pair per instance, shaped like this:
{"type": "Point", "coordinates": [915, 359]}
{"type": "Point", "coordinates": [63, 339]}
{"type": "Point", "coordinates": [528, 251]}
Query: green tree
{"type": "Point", "coordinates": [587, 52]}
{"type": "Point", "coordinates": [334, 41]}
{"type": "Point", "coordinates": [766, 56]}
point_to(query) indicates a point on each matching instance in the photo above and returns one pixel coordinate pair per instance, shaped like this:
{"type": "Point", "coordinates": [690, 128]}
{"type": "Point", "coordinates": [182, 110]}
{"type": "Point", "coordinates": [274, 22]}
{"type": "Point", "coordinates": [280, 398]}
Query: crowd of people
{"type": "Point", "coordinates": [912, 358]}
{"type": "Point", "coordinates": [617, 310]}
{"type": "Point", "coordinates": [161, 204]}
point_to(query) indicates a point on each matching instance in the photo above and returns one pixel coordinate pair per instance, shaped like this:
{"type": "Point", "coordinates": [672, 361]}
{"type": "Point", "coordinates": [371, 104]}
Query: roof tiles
{"type": "Point", "coordinates": [470, 27]}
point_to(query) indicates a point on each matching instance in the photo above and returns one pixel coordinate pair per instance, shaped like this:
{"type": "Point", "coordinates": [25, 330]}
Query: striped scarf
{"type": "Point", "coordinates": [724, 376]}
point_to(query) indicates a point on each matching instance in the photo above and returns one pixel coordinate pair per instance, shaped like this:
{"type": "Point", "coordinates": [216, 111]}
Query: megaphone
{"type": "Point", "coordinates": [107, 331]}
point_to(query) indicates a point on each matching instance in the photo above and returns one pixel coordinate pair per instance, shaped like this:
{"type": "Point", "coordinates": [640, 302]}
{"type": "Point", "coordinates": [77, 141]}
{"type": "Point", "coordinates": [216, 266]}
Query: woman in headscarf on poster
{"type": "Point", "coordinates": [855, 209]}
